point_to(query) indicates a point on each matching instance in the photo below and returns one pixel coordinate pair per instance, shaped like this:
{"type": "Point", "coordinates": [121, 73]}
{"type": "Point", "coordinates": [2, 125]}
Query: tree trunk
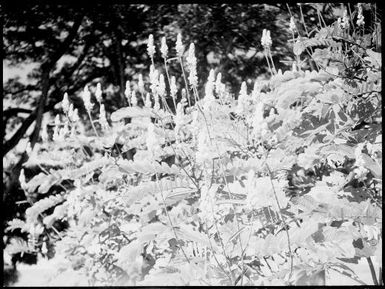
{"type": "Point", "coordinates": [40, 108]}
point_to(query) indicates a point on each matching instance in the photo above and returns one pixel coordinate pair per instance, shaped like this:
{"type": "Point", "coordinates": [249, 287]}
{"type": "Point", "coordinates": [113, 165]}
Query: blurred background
{"type": "Point", "coordinates": [52, 49]}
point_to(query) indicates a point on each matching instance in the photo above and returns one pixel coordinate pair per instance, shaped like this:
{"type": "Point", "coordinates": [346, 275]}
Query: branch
{"type": "Point", "coordinates": [51, 61]}
{"type": "Point", "coordinates": [28, 87]}
{"type": "Point", "coordinates": [46, 69]}
{"type": "Point", "coordinates": [13, 141]}
{"type": "Point", "coordinates": [14, 111]}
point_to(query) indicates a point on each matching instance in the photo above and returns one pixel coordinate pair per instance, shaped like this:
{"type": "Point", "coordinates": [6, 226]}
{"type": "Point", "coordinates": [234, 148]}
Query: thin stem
{"type": "Point", "coordinates": [196, 96]}
{"type": "Point", "coordinates": [212, 250]}
{"type": "Point", "coordinates": [168, 216]}
{"type": "Point", "coordinates": [268, 63]}
{"type": "Point", "coordinates": [303, 19]}
{"type": "Point", "coordinates": [272, 62]}
{"type": "Point", "coordinates": [92, 123]}
{"type": "Point", "coordinates": [221, 241]}
{"type": "Point", "coordinates": [185, 80]}
{"type": "Point", "coordinates": [372, 270]}
{"type": "Point", "coordinates": [169, 81]}
{"type": "Point", "coordinates": [283, 221]}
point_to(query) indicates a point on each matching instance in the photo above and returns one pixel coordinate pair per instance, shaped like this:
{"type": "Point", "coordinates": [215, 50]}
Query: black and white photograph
{"type": "Point", "coordinates": [192, 144]}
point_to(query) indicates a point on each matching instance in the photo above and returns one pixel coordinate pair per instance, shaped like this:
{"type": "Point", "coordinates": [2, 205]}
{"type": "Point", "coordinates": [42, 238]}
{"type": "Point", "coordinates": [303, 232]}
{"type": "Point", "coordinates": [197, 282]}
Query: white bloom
{"type": "Point", "coordinates": [98, 93]}
{"type": "Point", "coordinates": [57, 120]}
{"type": "Point", "coordinates": [44, 134]}
{"type": "Point", "coordinates": [178, 119]}
{"type": "Point", "coordinates": [256, 90]}
{"type": "Point", "coordinates": [127, 91]}
{"type": "Point", "coordinates": [141, 83]}
{"type": "Point", "coordinates": [209, 88]}
{"type": "Point", "coordinates": [134, 99]}
{"type": "Point", "coordinates": [218, 83]}
{"type": "Point", "coordinates": [157, 102]}
{"type": "Point", "coordinates": [191, 59]}
{"type": "Point", "coordinates": [28, 148]}
{"type": "Point", "coordinates": [195, 126]}
{"type": "Point", "coordinates": [266, 39]}
{"type": "Point", "coordinates": [161, 86]}
{"type": "Point", "coordinates": [205, 152]}
{"type": "Point", "coordinates": [211, 77]}
{"type": "Point", "coordinates": [259, 124]}
{"type": "Point", "coordinates": [150, 46]}
{"type": "Point", "coordinates": [153, 141]}
{"type": "Point", "coordinates": [102, 117]}
{"type": "Point", "coordinates": [64, 132]}
{"type": "Point", "coordinates": [75, 115]}
{"type": "Point", "coordinates": [65, 103]}
{"type": "Point", "coordinates": [192, 64]}
{"type": "Point", "coordinates": [164, 48]}
{"type": "Point", "coordinates": [345, 20]}
{"type": "Point", "coordinates": [179, 45]}
{"type": "Point", "coordinates": [87, 99]}
{"type": "Point", "coordinates": [154, 79]}
{"type": "Point", "coordinates": [184, 95]}
{"type": "Point", "coordinates": [360, 16]}
{"type": "Point", "coordinates": [22, 181]}
{"type": "Point", "coordinates": [173, 88]}
{"type": "Point", "coordinates": [148, 102]}
{"type": "Point", "coordinates": [70, 111]}
{"type": "Point", "coordinates": [242, 99]}
{"type": "Point", "coordinates": [292, 24]}
{"type": "Point", "coordinates": [193, 78]}
{"type": "Point", "coordinates": [339, 22]}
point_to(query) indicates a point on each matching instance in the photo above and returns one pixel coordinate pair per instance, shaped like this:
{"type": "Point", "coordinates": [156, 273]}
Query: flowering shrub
{"type": "Point", "coordinates": [277, 186]}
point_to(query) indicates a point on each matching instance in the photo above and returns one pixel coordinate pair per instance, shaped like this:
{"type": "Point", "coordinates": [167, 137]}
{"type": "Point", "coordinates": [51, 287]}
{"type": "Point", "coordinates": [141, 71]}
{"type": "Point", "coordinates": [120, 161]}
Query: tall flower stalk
{"type": "Point", "coordinates": [179, 47]}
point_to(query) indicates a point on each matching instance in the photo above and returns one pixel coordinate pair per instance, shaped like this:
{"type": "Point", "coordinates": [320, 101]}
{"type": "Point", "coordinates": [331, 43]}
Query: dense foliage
{"type": "Point", "coordinates": [279, 184]}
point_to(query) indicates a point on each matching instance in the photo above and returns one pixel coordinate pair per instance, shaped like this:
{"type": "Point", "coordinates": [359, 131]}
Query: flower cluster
{"type": "Point", "coordinates": [192, 64]}
{"type": "Point", "coordinates": [242, 99]}
{"type": "Point", "coordinates": [127, 92]}
{"type": "Point", "coordinates": [98, 93]}
{"type": "Point", "coordinates": [86, 96]}
{"type": "Point", "coordinates": [179, 45]}
{"type": "Point", "coordinates": [344, 21]}
{"type": "Point", "coordinates": [65, 103]}
{"type": "Point", "coordinates": [266, 39]}
{"type": "Point", "coordinates": [292, 24]}
{"type": "Point", "coordinates": [151, 46]}
{"type": "Point", "coordinates": [164, 48]}
{"type": "Point", "coordinates": [360, 16]}
{"type": "Point", "coordinates": [102, 118]}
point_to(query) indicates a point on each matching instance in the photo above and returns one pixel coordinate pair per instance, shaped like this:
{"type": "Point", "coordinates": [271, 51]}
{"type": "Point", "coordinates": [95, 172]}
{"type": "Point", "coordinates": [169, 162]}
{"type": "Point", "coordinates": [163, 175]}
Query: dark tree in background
{"type": "Point", "coordinates": [71, 46]}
